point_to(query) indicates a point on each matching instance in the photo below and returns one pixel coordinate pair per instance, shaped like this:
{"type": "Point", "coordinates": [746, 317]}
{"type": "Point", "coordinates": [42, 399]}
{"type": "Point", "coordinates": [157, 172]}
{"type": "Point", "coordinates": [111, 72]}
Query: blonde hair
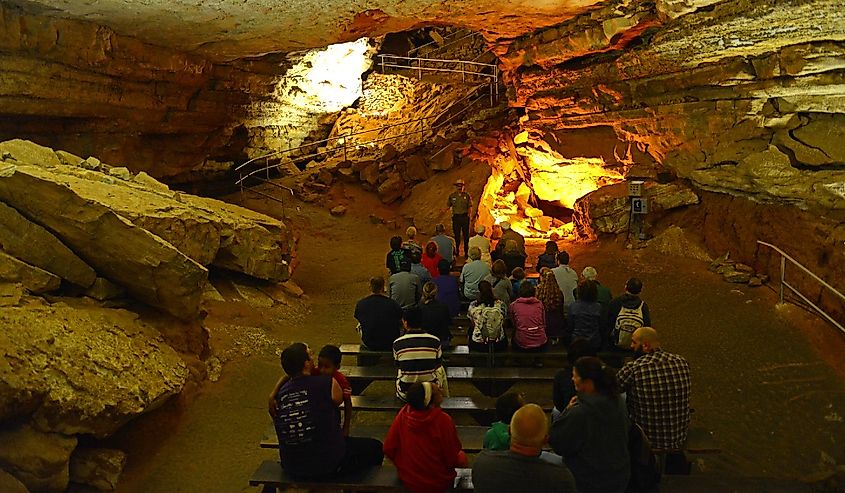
{"type": "Point", "coordinates": [429, 292]}
{"type": "Point", "coordinates": [411, 232]}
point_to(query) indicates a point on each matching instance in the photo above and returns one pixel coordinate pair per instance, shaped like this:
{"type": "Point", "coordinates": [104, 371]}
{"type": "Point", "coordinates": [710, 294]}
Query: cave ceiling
{"type": "Point", "coordinates": [229, 29]}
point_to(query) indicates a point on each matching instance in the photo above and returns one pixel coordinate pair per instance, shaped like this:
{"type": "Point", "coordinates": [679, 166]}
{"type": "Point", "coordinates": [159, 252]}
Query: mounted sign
{"type": "Point", "coordinates": [639, 205]}
{"type": "Point", "coordinates": [635, 188]}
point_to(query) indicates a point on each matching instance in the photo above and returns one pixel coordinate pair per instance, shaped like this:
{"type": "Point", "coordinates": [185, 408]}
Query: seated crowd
{"type": "Point", "coordinates": [597, 409]}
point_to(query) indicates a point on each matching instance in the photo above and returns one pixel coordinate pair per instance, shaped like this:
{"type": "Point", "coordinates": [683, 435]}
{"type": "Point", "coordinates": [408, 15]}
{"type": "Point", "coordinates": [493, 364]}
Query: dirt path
{"type": "Point", "coordinates": [773, 403]}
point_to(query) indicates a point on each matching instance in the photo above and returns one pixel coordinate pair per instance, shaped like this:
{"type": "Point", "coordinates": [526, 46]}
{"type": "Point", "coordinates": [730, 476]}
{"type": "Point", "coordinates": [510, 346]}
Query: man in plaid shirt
{"type": "Point", "coordinates": [658, 389]}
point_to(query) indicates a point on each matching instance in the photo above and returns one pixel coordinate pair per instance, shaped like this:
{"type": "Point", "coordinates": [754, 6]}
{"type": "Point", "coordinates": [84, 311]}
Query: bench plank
{"type": "Point", "coordinates": [472, 437]}
{"type": "Point", "coordinates": [556, 352]}
{"type": "Point", "coordinates": [271, 476]}
{"type": "Point", "coordinates": [382, 373]}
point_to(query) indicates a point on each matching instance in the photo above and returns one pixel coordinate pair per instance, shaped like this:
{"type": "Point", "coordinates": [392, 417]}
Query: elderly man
{"type": "Point", "coordinates": [472, 273]}
{"type": "Point", "coordinates": [658, 390]}
{"type": "Point", "coordinates": [521, 468]}
{"type": "Point", "coordinates": [509, 234]}
{"type": "Point", "coordinates": [604, 295]}
{"type": "Point", "coordinates": [567, 279]}
{"type": "Point", "coordinates": [445, 244]}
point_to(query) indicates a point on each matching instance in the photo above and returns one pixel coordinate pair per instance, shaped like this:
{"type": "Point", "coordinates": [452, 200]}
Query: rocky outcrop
{"type": "Point", "coordinates": [151, 269]}
{"type": "Point", "coordinates": [35, 245]}
{"type": "Point", "coordinates": [132, 229]}
{"type": "Point", "coordinates": [39, 460]}
{"type": "Point", "coordinates": [97, 468]}
{"type": "Point", "coordinates": [608, 209]}
{"type": "Point", "coordinates": [742, 97]}
{"type": "Point", "coordinates": [129, 369]}
{"type": "Point", "coordinates": [32, 278]}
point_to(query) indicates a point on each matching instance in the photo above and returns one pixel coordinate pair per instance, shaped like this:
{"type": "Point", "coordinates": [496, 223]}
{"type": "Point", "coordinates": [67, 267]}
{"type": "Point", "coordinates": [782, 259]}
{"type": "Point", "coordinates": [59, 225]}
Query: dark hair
{"type": "Point", "coordinates": [551, 247]}
{"type": "Point", "coordinates": [526, 289]}
{"type": "Point", "coordinates": [500, 268]}
{"type": "Point", "coordinates": [563, 258]}
{"type": "Point", "coordinates": [431, 249]}
{"type": "Point", "coordinates": [444, 267]}
{"type": "Point", "coordinates": [580, 347]}
{"type": "Point", "coordinates": [405, 264]}
{"type": "Point", "coordinates": [396, 242]}
{"type": "Point", "coordinates": [506, 405]}
{"type": "Point", "coordinates": [634, 286]}
{"type": "Point", "coordinates": [440, 228]}
{"type": "Point", "coordinates": [415, 395]}
{"type": "Point", "coordinates": [293, 358]}
{"type": "Point", "coordinates": [518, 273]}
{"type": "Point", "coordinates": [485, 293]}
{"type": "Point", "coordinates": [331, 353]}
{"type": "Point", "coordinates": [603, 377]}
{"type": "Point", "coordinates": [588, 291]}
{"type": "Point", "coordinates": [376, 284]}
{"type": "Point", "coordinates": [413, 316]}
{"type": "Point", "coordinates": [416, 256]}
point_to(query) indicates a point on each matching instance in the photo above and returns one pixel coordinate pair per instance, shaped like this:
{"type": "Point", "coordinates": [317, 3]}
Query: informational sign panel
{"type": "Point", "coordinates": [639, 205]}
{"type": "Point", "coordinates": [635, 188]}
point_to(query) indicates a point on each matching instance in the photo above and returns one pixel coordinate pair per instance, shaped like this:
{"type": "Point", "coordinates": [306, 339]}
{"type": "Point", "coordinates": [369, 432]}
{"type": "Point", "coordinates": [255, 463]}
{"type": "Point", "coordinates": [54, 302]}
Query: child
{"type": "Point", "coordinates": [423, 442]}
{"type": "Point", "coordinates": [328, 363]}
{"type": "Point", "coordinates": [498, 437]}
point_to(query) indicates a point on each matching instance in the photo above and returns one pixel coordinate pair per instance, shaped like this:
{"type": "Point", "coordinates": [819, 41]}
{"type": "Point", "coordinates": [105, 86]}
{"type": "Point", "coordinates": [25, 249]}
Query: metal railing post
{"type": "Point", "coordinates": [345, 140]}
{"type": "Point", "coordinates": [782, 276]}
{"type": "Point", "coordinates": [463, 73]}
{"type": "Point", "coordinates": [381, 57]}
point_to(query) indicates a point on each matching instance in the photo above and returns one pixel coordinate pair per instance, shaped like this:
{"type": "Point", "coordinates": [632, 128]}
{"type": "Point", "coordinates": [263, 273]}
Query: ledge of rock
{"type": "Point", "coordinates": [129, 368]}
{"type": "Point", "coordinates": [38, 460]}
{"type": "Point", "coordinates": [32, 278]}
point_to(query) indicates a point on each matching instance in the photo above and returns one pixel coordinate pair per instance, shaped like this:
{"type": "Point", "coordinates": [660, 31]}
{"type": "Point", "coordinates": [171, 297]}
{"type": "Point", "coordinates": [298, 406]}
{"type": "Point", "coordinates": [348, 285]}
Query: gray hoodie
{"type": "Point", "coordinates": [592, 437]}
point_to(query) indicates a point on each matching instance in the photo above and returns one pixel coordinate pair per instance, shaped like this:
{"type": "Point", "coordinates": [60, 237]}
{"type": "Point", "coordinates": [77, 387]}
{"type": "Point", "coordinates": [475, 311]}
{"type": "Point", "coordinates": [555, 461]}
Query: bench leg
{"type": "Point", "coordinates": [675, 463]}
{"type": "Point", "coordinates": [269, 489]}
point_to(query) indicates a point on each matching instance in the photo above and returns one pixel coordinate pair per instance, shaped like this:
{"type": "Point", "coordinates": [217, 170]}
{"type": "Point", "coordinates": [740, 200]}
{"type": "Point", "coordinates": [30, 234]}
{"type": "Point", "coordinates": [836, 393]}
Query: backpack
{"type": "Point", "coordinates": [628, 320]}
{"type": "Point", "coordinates": [490, 323]}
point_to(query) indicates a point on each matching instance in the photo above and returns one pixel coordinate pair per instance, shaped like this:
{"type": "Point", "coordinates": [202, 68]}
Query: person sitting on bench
{"type": "Point", "coordinates": [311, 443]}
{"type": "Point", "coordinates": [418, 355]}
{"type": "Point", "coordinates": [658, 390]}
{"type": "Point", "coordinates": [523, 467]}
{"type": "Point", "coordinates": [379, 318]}
{"type": "Point", "coordinates": [423, 442]}
{"type": "Point", "coordinates": [498, 437]}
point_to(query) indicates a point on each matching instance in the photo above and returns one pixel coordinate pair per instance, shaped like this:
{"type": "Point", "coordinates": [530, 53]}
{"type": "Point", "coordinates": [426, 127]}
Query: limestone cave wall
{"type": "Point", "coordinates": [80, 86]}
{"type": "Point", "coordinates": [743, 97]}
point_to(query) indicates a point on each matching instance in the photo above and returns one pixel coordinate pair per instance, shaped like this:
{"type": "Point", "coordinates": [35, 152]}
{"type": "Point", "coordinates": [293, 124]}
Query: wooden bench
{"type": "Point", "coordinates": [555, 354]}
{"type": "Point", "coordinates": [472, 437]}
{"type": "Point", "coordinates": [482, 409]}
{"type": "Point", "coordinates": [676, 461]}
{"type": "Point", "coordinates": [271, 477]}
{"type": "Point", "coordinates": [488, 381]}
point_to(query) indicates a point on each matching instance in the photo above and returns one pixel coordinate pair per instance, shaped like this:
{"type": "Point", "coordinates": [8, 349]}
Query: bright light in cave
{"type": "Point", "coordinates": [556, 180]}
{"type": "Point", "coordinates": [562, 180]}
{"type": "Point", "coordinates": [329, 79]}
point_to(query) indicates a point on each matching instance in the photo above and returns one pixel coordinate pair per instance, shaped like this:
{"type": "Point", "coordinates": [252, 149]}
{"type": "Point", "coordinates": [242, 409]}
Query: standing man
{"type": "Point", "coordinates": [567, 279]}
{"type": "Point", "coordinates": [461, 204]}
{"type": "Point", "coordinates": [658, 391]}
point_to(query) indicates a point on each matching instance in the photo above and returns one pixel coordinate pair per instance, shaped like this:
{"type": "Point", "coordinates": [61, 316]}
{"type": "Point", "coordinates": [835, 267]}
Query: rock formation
{"type": "Point", "coordinates": [132, 229]}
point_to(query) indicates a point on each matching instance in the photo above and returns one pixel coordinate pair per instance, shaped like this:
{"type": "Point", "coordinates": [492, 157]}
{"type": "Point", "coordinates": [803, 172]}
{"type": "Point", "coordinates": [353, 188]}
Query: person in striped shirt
{"type": "Point", "coordinates": [418, 356]}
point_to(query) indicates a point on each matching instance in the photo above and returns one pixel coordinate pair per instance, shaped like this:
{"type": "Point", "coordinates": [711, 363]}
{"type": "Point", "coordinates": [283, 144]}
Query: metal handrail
{"type": "Point", "coordinates": [444, 46]}
{"type": "Point", "coordinates": [784, 257]}
{"type": "Point", "coordinates": [418, 48]}
{"type": "Point", "coordinates": [439, 60]}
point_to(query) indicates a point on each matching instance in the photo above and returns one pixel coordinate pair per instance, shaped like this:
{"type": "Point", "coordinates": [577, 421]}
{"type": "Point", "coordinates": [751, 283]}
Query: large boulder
{"type": "Point", "coordinates": [128, 369]}
{"type": "Point", "coordinates": [39, 460]}
{"type": "Point", "coordinates": [36, 246]}
{"type": "Point", "coordinates": [209, 231]}
{"type": "Point", "coordinates": [608, 209]}
{"type": "Point", "coordinates": [32, 278]}
{"type": "Point", "coordinates": [151, 269]}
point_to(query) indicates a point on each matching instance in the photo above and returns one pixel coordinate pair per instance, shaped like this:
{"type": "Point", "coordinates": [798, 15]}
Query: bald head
{"type": "Point", "coordinates": [645, 339]}
{"type": "Point", "coordinates": [529, 427]}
